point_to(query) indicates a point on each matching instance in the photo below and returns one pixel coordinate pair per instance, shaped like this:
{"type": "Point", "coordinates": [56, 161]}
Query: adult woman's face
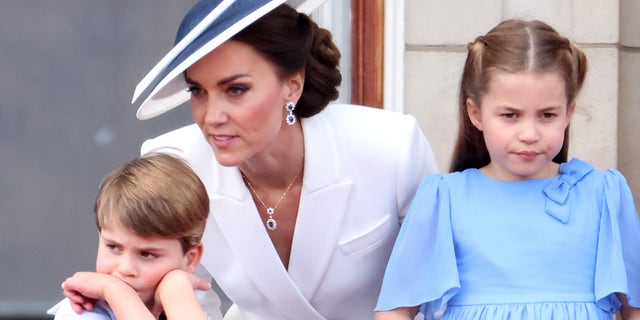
{"type": "Point", "coordinates": [237, 100]}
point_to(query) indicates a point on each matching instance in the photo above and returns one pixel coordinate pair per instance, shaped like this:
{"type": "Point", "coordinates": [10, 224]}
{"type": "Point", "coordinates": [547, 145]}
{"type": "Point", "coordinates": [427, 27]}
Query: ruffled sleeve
{"type": "Point", "coordinates": [618, 259]}
{"type": "Point", "coordinates": [422, 269]}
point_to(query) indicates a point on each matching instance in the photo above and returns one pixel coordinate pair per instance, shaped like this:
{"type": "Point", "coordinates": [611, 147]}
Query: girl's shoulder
{"type": "Point", "coordinates": [452, 180]}
{"type": "Point", "coordinates": [578, 171]}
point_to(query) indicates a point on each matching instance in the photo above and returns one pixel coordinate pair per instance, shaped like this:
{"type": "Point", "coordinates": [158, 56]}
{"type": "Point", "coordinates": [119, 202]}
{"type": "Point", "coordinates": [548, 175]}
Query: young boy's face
{"type": "Point", "coordinates": [141, 262]}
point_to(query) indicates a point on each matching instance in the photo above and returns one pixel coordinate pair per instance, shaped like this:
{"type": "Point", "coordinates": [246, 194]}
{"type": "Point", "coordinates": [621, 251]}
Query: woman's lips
{"type": "Point", "coordinates": [221, 141]}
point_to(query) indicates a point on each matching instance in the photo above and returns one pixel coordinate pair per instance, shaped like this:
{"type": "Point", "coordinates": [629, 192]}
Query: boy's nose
{"type": "Point", "coordinates": [126, 267]}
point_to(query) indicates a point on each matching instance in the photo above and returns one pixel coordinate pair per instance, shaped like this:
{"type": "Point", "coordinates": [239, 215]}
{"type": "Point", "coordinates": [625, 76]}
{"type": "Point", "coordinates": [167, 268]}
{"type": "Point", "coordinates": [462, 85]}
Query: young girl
{"type": "Point", "coordinates": [516, 231]}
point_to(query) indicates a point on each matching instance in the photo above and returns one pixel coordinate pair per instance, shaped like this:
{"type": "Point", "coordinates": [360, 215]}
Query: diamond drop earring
{"type": "Point", "coordinates": [290, 118]}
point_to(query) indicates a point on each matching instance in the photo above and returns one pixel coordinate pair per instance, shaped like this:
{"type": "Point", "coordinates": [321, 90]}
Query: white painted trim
{"type": "Point", "coordinates": [394, 55]}
{"type": "Point", "coordinates": [334, 15]}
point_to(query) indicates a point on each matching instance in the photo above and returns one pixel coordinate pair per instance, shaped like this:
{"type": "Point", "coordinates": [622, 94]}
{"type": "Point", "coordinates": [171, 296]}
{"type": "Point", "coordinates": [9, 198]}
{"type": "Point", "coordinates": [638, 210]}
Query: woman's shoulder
{"type": "Point", "coordinates": [366, 131]}
{"type": "Point", "coordinates": [357, 116]}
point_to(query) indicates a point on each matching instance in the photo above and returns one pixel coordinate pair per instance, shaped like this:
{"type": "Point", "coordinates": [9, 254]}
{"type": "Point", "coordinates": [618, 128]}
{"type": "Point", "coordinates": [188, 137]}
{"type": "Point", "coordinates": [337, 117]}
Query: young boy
{"type": "Point", "coordinates": [150, 214]}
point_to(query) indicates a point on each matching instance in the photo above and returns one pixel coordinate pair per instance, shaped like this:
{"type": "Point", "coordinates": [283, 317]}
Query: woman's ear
{"type": "Point", "coordinates": [192, 258]}
{"type": "Point", "coordinates": [294, 85]}
{"type": "Point", "coordinates": [473, 111]}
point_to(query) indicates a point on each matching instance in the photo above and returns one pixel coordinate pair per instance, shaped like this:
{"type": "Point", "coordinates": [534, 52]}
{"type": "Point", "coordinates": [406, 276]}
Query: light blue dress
{"type": "Point", "coordinates": [556, 248]}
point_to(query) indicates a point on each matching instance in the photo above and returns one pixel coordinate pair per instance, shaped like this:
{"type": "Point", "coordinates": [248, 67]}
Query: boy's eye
{"type": "Point", "coordinates": [112, 247]}
{"type": "Point", "coordinates": [147, 254]}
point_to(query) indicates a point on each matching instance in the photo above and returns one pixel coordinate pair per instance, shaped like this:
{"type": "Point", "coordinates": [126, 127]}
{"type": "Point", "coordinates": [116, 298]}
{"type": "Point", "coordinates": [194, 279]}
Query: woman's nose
{"type": "Point", "coordinates": [215, 112]}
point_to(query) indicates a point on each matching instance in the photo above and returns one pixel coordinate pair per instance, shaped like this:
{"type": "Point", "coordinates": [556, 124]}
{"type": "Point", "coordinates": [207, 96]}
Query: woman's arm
{"type": "Point", "coordinates": [402, 313]}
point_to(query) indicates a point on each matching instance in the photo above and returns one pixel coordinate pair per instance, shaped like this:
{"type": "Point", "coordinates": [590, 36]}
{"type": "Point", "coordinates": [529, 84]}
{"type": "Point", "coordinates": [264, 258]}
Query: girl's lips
{"type": "Point", "coordinates": [527, 155]}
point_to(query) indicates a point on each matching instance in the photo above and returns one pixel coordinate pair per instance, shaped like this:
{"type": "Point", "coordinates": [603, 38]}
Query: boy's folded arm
{"type": "Point", "coordinates": [176, 295]}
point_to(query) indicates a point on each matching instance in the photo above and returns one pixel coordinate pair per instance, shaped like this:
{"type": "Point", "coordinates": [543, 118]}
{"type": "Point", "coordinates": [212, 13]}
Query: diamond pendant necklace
{"type": "Point", "coordinates": [271, 223]}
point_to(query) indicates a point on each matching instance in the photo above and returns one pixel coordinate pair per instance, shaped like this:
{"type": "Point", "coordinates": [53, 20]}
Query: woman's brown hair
{"type": "Point", "coordinates": [293, 42]}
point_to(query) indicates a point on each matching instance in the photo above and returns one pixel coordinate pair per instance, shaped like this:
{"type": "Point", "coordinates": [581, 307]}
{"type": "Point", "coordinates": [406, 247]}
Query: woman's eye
{"type": "Point", "coordinates": [237, 90]}
{"type": "Point", "coordinates": [549, 115]}
{"type": "Point", "coordinates": [195, 91]}
{"type": "Point", "coordinates": [510, 115]}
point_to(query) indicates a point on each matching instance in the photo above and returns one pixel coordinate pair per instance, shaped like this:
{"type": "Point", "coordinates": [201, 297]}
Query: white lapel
{"type": "Point", "coordinates": [323, 204]}
{"type": "Point", "coordinates": [235, 213]}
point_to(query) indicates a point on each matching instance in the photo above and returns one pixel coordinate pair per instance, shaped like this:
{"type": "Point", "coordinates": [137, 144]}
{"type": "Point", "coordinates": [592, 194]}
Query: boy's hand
{"type": "Point", "coordinates": [84, 289]}
{"type": "Point", "coordinates": [175, 295]}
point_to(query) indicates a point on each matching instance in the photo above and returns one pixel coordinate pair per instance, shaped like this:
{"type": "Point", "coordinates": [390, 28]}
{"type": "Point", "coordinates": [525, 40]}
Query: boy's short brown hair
{"type": "Point", "coordinates": [156, 195]}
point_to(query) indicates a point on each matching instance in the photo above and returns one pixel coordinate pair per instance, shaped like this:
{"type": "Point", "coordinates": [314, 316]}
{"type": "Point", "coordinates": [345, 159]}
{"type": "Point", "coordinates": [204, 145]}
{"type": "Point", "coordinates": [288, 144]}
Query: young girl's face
{"type": "Point", "coordinates": [523, 117]}
{"type": "Point", "coordinates": [141, 262]}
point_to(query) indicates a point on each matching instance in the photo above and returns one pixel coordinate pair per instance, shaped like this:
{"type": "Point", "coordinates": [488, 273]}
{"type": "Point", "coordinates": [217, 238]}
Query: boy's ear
{"type": "Point", "coordinates": [473, 111]}
{"type": "Point", "coordinates": [192, 258]}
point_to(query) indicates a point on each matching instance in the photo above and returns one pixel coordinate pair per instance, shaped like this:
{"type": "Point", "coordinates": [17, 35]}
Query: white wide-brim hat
{"type": "Point", "coordinates": [205, 27]}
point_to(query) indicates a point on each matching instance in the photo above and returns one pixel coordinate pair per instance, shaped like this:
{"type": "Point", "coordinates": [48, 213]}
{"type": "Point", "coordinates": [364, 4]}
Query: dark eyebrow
{"type": "Point", "coordinates": [220, 83]}
{"type": "Point", "coordinates": [108, 240]}
{"type": "Point", "coordinates": [153, 249]}
{"type": "Point", "coordinates": [509, 108]}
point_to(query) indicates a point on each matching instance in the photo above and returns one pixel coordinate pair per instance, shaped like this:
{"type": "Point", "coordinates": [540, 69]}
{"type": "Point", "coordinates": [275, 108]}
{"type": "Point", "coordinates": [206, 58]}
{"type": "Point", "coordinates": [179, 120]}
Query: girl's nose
{"type": "Point", "coordinates": [529, 132]}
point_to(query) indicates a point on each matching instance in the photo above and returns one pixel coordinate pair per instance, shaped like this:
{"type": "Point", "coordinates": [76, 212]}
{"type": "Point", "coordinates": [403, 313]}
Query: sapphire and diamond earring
{"type": "Point", "coordinates": [290, 118]}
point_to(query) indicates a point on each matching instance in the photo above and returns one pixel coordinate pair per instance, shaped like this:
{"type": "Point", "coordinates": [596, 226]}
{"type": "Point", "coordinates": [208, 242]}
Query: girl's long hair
{"type": "Point", "coordinates": [512, 46]}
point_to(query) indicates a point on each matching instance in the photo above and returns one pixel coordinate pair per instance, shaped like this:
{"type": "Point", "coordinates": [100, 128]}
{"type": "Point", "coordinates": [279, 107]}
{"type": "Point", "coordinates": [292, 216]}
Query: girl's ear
{"type": "Point", "coordinates": [473, 111]}
{"type": "Point", "coordinates": [192, 258]}
{"type": "Point", "coordinates": [571, 107]}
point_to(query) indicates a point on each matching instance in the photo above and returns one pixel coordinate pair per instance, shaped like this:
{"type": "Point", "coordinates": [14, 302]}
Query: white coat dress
{"type": "Point", "coordinates": [362, 168]}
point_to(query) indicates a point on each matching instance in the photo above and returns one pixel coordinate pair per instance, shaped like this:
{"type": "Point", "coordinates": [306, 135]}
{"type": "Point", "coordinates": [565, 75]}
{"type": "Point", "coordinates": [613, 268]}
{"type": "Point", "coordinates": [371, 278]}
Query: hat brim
{"type": "Point", "coordinates": [218, 26]}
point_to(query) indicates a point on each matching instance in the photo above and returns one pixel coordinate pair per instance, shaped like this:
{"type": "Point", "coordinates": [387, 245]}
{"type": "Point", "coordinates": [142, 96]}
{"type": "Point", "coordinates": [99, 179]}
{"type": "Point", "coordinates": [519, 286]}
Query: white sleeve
{"type": "Point", "coordinates": [416, 161]}
{"type": "Point", "coordinates": [209, 300]}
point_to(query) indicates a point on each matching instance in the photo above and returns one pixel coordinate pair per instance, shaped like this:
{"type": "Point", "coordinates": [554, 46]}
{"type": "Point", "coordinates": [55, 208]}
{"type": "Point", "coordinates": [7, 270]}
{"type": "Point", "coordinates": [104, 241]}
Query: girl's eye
{"type": "Point", "coordinates": [510, 115]}
{"type": "Point", "coordinates": [549, 115]}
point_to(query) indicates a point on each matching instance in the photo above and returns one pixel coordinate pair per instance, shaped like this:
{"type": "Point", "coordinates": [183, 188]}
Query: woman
{"type": "Point", "coordinates": [306, 198]}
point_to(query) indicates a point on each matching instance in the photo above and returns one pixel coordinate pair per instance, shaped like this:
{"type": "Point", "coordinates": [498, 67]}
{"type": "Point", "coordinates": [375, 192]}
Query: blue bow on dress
{"type": "Point", "coordinates": [557, 191]}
